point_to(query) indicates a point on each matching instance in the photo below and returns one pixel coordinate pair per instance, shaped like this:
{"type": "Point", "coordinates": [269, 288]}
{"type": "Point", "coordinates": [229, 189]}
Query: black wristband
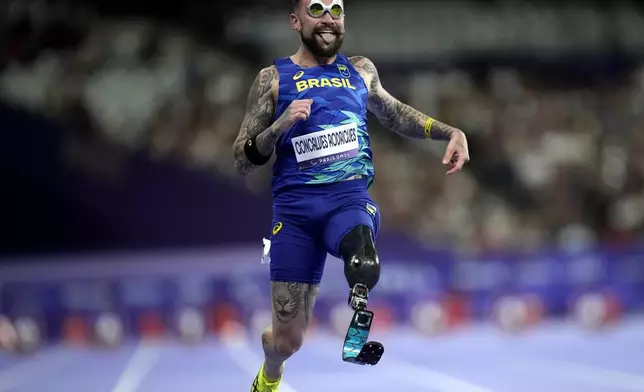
{"type": "Point", "coordinates": [254, 156]}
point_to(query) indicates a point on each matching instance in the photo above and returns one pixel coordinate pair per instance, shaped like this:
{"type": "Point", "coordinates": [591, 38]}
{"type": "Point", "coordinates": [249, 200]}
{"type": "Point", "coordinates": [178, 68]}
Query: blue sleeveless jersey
{"type": "Point", "coordinates": [333, 144]}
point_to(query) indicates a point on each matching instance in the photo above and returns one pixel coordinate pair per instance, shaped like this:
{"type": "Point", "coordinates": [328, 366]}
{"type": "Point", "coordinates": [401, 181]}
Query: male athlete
{"type": "Point", "coordinates": [311, 109]}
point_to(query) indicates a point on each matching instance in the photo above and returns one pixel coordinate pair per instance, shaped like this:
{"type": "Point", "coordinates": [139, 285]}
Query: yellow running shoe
{"type": "Point", "coordinates": [263, 384]}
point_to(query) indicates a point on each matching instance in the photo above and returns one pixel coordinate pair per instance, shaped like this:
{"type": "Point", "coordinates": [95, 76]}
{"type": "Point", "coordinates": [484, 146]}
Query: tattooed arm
{"type": "Point", "coordinates": [409, 122]}
{"type": "Point", "coordinates": [395, 115]}
{"type": "Point", "coordinates": [260, 107]}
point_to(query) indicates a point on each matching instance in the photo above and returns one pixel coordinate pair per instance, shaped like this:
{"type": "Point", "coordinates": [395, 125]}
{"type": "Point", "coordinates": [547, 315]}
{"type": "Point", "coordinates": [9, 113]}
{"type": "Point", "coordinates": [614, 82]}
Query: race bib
{"type": "Point", "coordinates": [327, 146]}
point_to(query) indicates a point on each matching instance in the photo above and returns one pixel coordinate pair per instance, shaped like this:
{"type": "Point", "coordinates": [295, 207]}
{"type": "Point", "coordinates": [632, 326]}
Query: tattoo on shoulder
{"type": "Point", "coordinates": [293, 300]}
{"type": "Point", "coordinates": [367, 67]}
{"type": "Point", "coordinates": [362, 63]}
{"type": "Point", "coordinates": [355, 60]}
{"type": "Point", "coordinates": [261, 85]}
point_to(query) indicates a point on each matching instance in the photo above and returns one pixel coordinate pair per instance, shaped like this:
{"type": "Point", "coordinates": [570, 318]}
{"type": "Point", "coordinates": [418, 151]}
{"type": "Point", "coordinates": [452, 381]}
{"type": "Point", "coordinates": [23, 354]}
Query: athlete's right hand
{"type": "Point", "coordinates": [298, 110]}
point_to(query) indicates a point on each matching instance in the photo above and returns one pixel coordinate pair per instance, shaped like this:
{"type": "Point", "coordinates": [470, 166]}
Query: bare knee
{"type": "Point", "coordinates": [283, 342]}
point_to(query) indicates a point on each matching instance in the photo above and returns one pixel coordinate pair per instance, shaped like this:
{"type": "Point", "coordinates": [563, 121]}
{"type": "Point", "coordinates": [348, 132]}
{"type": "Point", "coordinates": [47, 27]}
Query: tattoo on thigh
{"type": "Point", "coordinates": [291, 300]}
{"type": "Point", "coordinates": [309, 303]}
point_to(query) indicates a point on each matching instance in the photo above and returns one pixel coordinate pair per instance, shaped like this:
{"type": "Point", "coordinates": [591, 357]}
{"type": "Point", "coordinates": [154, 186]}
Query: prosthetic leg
{"type": "Point", "coordinates": [362, 270]}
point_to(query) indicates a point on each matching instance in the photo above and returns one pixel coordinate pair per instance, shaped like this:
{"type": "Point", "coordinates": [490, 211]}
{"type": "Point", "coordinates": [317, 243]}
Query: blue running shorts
{"type": "Point", "coordinates": [310, 221]}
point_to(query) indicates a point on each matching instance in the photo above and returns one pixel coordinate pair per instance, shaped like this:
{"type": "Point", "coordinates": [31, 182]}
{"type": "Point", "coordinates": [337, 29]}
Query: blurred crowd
{"type": "Point", "coordinates": [131, 83]}
{"type": "Point", "coordinates": [550, 163]}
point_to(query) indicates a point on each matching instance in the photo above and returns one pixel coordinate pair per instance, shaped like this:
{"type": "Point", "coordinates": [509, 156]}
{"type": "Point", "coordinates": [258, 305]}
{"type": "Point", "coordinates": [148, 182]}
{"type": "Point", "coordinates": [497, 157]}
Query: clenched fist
{"type": "Point", "coordinates": [298, 110]}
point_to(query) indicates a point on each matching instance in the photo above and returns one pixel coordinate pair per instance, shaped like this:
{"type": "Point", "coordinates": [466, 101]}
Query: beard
{"type": "Point", "coordinates": [319, 47]}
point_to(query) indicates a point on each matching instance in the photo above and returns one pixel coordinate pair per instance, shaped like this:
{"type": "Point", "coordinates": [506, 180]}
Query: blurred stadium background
{"type": "Point", "coordinates": [127, 227]}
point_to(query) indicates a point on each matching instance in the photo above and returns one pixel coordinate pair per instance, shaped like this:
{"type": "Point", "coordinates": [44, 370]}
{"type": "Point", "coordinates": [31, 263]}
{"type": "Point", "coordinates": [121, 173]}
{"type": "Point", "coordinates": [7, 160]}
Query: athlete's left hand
{"type": "Point", "coordinates": [457, 153]}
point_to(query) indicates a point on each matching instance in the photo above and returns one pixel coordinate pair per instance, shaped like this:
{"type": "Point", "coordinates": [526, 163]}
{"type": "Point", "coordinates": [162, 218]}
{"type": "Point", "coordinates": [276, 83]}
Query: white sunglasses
{"type": "Point", "coordinates": [317, 9]}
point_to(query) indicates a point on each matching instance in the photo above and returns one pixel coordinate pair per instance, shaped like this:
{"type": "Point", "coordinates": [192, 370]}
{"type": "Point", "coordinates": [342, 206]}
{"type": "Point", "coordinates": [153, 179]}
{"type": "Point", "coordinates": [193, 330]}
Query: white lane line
{"type": "Point", "coordinates": [139, 365]}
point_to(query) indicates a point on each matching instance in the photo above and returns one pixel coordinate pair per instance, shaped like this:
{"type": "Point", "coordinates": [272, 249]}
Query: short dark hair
{"type": "Point", "coordinates": [295, 3]}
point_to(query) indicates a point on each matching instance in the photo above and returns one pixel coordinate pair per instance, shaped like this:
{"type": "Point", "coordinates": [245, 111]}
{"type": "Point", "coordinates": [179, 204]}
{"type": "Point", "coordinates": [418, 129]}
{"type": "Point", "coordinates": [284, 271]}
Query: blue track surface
{"type": "Point", "coordinates": [551, 358]}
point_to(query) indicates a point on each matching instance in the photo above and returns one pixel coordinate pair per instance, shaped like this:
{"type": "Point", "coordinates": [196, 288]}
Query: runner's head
{"type": "Point", "coordinates": [320, 24]}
